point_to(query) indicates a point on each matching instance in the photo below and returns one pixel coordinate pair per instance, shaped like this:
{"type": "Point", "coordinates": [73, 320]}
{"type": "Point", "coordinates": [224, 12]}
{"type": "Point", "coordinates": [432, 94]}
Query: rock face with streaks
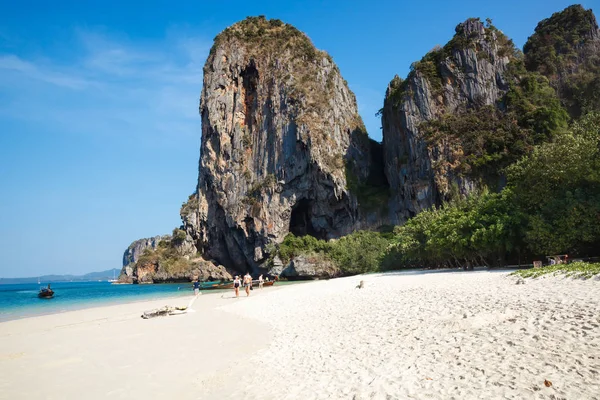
{"type": "Point", "coordinates": [281, 137]}
{"type": "Point", "coordinates": [459, 110]}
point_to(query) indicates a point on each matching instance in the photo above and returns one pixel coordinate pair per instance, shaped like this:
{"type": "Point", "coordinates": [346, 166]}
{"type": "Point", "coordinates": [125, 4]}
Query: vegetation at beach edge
{"type": "Point", "coordinates": [578, 269]}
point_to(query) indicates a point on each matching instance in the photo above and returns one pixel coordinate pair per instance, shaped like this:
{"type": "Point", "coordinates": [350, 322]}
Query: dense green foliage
{"type": "Point", "coordinates": [558, 187]}
{"type": "Point", "coordinates": [359, 252]}
{"type": "Point", "coordinates": [577, 269]}
{"type": "Point", "coordinates": [480, 230]}
{"type": "Point", "coordinates": [566, 49]}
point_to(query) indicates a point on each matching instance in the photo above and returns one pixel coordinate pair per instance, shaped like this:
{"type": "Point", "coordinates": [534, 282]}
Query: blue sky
{"type": "Point", "coordinates": [99, 125]}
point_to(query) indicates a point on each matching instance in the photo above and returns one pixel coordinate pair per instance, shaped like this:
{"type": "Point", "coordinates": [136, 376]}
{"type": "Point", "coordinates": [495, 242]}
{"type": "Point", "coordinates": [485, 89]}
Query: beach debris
{"type": "Point", "coordinates": [547, 383]}
{"type": "Point", "coordinates": [168, 310]}
{"type": "Point", "coordinates": [163, 311]}
{"type": "Point", "coordinates": [361, 285]}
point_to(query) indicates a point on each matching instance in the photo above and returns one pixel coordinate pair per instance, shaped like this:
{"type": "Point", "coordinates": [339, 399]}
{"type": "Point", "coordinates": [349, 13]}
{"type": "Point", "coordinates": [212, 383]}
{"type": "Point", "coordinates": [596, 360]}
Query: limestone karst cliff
{"type": "Point", "coordinates": [284, 150]}
{"type": "Point", "coordinates": [566, 49]}
{"type": "Point", "coordinates": [135, 250]}
{"type": "Point", "coordinates": [465, 111]}
{"type": "Point", "coordinates": [167, 259]}
{"type": "Point", "coordinates": [281, 138]}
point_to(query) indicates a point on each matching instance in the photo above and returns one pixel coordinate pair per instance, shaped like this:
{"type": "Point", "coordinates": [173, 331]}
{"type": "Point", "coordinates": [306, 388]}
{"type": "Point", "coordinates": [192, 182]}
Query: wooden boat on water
{"type": "Point", "coordinates": [46, 293]}
{"type": "Point", "coordinates": [229, 285]}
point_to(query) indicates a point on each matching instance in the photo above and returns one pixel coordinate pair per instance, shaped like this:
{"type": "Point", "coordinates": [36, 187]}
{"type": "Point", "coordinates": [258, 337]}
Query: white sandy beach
{"type": "Point", "coordinates": [424, 336]}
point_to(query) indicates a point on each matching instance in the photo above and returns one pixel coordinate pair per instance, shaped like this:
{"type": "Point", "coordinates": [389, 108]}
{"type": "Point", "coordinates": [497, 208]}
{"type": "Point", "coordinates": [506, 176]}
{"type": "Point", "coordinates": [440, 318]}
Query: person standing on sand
{"type": "Point", "coordinates": [236, 286]}
{"type": "Point", "coordinates": [260, 281]}
{"type": "Point", "coordinates": [247, 283]}
{"type": "Point", "coordinates": [196, 287]}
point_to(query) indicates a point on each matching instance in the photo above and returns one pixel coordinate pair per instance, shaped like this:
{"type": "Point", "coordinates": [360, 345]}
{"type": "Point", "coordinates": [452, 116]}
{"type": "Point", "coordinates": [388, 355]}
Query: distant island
{"type": "Point", "coordinates": [91, 276]}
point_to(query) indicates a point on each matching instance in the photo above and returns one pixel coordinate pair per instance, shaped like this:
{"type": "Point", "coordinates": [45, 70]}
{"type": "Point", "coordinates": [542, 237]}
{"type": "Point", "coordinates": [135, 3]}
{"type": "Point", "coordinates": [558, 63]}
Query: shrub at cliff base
{"type": "Point", "coordinates": [481, 230]}
{"type": "Point", "coordinates": [359, 252]}
{"type": "Point", "coordinates": [558, 188]}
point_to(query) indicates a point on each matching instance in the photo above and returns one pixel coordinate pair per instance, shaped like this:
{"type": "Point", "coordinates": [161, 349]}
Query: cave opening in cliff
{"type": "Point", "coordinates": [301, 220]}
{"type": "Point", "coordinates": [249, 87]}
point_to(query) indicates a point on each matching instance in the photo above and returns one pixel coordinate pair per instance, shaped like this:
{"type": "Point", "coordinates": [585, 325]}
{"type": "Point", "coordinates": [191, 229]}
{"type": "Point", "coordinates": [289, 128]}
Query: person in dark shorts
{"type": "Point", "coordinates": [247, 283]}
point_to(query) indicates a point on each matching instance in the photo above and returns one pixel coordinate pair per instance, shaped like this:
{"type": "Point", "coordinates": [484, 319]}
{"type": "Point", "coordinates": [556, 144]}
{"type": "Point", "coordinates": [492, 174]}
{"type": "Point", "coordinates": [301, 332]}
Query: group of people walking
{"type": "Point", "coordinates": [246, 282]}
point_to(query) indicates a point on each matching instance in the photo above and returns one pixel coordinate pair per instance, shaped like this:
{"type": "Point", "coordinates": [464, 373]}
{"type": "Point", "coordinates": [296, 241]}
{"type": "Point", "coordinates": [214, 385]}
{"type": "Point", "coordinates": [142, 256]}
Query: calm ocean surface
{"type": "Point", "coordinates": [20, 300]}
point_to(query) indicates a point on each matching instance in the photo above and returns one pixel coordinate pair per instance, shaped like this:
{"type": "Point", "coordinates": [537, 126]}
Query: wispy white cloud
{"type": "Point", "coordinates": [29, 70]}
{"type": "Point", "coordinates": [110, 86]}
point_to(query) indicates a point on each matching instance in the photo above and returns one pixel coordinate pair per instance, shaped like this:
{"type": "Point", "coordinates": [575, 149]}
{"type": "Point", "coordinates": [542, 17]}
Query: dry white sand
{"type": "Point", "coordinates": [425, 336]}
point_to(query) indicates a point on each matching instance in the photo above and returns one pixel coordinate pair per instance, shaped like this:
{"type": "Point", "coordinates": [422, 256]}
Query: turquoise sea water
{"type": "Point", "coordinates": [20, 300]}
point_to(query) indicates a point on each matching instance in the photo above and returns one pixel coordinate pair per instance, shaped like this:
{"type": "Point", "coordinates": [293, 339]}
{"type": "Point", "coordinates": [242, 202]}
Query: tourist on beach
{"type": "Point", "coordinates": [196, 287]}
{"type": "Point", "coordinates": [247, 283]}
{"type": "Point", "coordinates": [236, 286]}
{"type": "Point", "coordinates": [260, 281]}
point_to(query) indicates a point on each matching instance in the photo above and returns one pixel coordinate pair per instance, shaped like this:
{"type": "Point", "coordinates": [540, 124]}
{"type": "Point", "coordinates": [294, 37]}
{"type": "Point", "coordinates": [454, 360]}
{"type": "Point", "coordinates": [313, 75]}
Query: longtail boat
{"type": "Point", "coordinates": [46, 293]}
{"type": "Point", "coordinates": [229, 285]}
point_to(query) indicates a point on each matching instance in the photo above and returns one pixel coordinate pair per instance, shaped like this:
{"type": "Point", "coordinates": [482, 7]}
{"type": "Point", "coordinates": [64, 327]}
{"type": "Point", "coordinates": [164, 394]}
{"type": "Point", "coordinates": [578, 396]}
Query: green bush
{"type": "Point", "coordinates": [357, 253]}
{"type": "Point", "coordinates": [558, 187]}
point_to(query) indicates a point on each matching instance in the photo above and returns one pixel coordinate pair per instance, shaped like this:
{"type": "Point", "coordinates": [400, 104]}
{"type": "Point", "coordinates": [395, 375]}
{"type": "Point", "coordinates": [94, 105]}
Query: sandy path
{"type": "Point", "coordinates": [429, 336]}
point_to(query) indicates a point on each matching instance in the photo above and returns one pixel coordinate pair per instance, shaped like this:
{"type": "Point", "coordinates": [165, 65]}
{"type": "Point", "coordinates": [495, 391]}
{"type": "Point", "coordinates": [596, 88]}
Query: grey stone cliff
{"type": "Point", "coordinates": [464, 75]}
{"type": "Point", "coordinates": [136, 249]}
{"type": "Point", "coordinates": [279, 130]}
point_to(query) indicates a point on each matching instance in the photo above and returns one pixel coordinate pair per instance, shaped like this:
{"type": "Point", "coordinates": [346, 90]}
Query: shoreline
{"type": "Point", "coordinates": [93, 304]}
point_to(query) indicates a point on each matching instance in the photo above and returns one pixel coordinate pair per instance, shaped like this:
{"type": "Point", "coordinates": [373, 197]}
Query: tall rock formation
{"type": "Point", "coordinates": [136, 249]}
{"type": "Point", "coordinates": [464, 111]}
{"type": "Point", "coordinates": [167, 259]}
{"type": "Point", "coordinates": [280, 137]}
{"type": "Point", "coordinates": [566, 49]}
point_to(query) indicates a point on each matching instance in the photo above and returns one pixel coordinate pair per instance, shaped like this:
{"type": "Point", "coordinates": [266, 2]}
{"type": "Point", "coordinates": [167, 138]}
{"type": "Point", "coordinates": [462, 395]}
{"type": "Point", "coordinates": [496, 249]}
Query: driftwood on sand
{"type": "Point", "coordinates": [168, 310]}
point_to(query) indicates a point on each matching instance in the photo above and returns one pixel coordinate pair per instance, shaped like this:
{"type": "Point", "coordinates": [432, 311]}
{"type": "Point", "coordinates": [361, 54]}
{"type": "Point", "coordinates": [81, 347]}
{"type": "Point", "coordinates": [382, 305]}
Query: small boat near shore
{"type": "Point", "coordinates": [46, 293]}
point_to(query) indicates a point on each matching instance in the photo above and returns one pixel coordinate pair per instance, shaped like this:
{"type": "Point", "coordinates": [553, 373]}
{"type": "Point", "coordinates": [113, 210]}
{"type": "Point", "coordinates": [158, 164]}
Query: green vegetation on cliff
{"type": "Point", "coordinates": [493, 137]}
{"type": "Point", "coordinates": [430, 66]}
{"type": "Point", "coordinates": [566, 49]}
{"type": "Point", "coordinates": [166, 257]}
{"type": "Point", "coordinates": [269, 35]}
{"type": "Point", "coordinates": [484, 139]}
